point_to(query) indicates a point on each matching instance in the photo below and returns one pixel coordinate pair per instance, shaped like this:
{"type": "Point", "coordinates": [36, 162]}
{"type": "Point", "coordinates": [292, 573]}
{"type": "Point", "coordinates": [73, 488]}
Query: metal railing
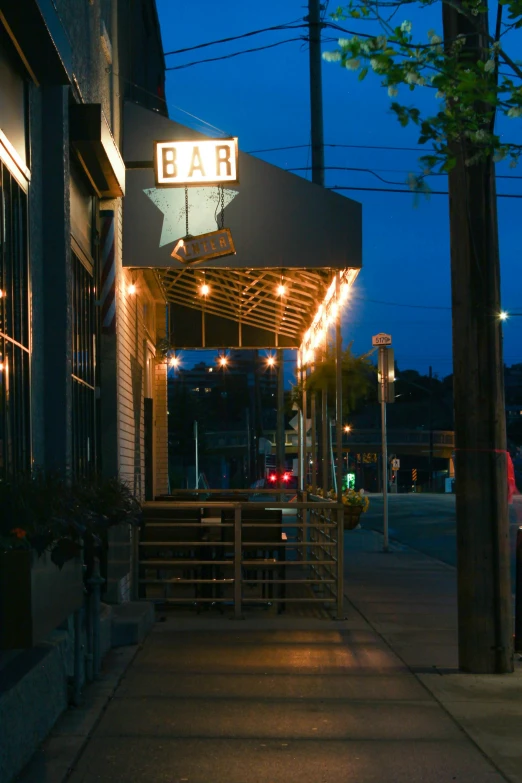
{"type": "Point", "coordinates": [219, 552]}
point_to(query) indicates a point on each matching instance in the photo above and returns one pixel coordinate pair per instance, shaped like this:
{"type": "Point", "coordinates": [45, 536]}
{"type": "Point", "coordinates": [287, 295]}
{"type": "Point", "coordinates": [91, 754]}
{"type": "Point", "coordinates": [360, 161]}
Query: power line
{"type": "Point", "coordinates": [229, 56]}
{"type": "Point", "coordinates": [347, 146]}
{"type": "Point", "coordinates": [399, 304]}
{"type": "Point", "coordinates": [388, 182]}
{"type": "Point", "coordinates": [285, 26]}
{"type": "Point", "coordinates": [413, 192]}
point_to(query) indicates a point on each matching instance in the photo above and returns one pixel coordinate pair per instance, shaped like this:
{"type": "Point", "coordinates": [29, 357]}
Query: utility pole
{"type": "Point", "coordinates": [484, 590]}
{"type": "Point", "coordinates": [316, 91]}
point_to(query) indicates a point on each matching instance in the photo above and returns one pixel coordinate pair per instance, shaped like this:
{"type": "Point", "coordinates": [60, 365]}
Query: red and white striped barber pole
{"type": "Point", "coordinates": [108, 273]}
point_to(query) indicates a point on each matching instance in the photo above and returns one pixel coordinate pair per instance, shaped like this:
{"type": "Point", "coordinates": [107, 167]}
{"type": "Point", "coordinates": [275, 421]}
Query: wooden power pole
{"type": "Point", "coordinates": [484, 590]}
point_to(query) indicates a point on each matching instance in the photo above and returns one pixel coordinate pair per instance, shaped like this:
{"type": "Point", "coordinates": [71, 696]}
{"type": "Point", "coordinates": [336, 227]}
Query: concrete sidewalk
{"type": "Point", "coordinates": [371, 699]}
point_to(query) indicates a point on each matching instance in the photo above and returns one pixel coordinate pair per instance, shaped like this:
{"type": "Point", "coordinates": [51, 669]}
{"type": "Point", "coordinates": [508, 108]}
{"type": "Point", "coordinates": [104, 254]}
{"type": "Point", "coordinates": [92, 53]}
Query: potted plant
{"type": "Point", "coordinates": [50, 527]}
{"type": "Point", "coordinates": [355, 504]}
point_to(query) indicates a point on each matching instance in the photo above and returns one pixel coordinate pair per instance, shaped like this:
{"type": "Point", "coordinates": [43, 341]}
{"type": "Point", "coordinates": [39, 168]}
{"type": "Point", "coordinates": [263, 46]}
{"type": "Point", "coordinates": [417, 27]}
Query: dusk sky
{"type": "Point", "coordinates": [263, 98]}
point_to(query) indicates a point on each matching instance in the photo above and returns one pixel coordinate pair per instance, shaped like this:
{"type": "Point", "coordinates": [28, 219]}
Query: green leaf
{"type": "Point", "coordinates": [362, 74]}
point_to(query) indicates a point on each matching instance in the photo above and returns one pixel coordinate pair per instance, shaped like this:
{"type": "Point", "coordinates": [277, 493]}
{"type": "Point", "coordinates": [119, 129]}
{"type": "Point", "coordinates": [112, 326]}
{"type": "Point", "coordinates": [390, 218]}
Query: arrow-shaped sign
{"type": "Point", "coordinates": [195, 250]}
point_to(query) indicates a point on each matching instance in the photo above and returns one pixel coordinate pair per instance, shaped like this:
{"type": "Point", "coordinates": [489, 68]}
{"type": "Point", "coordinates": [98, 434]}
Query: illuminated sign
{"type": "Point", "coordinates": [194, 250]}
{"type": "Point", "coordinates": [196, 162]}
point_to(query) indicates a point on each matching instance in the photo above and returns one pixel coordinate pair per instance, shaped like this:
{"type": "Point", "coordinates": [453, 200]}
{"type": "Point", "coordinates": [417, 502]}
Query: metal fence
{"type": "Point", "coordinates": [237, 553]}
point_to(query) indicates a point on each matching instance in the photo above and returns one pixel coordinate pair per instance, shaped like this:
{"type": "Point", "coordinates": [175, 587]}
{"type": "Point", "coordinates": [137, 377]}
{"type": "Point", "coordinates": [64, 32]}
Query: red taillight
{"type": "Point", "coordinates": [273, 477]}
{"type": "Point", "coordinates": [286, 477]}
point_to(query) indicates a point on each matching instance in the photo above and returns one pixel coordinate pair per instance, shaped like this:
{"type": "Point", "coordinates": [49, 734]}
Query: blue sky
{"type": "Point", "coordinates": [263, 98]}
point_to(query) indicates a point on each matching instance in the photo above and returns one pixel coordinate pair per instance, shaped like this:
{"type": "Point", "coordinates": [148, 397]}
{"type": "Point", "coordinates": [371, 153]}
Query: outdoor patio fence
{"type": "Point", "coordinates": [232, 552]}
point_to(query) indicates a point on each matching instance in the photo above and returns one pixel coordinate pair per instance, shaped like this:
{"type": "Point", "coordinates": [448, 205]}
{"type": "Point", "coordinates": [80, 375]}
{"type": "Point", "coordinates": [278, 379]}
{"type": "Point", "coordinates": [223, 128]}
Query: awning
{"type": "Point", "coordinates": [291, 238]}
{"type": "Point", "coordinates": [92, 139]}
{"type": "Point", "coordinates": [40, 38]}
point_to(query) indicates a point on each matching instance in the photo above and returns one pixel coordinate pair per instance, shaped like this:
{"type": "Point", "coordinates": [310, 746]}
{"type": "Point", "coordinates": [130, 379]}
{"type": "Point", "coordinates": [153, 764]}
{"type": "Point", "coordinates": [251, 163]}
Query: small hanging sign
{"type": "Point", "coordinates": [195, 250]}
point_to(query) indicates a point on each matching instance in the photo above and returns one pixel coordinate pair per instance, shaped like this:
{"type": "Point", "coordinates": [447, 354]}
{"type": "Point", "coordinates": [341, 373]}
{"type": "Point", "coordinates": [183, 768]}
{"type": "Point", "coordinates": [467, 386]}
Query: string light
{"type": "Point", "coordinates": [204, 290]}
{"type": "Point", "coordinates": [270, 361]}
{"type": "Point", "coordinates": [174, 361]}
{"type": "Point", "coordinates": [223, 360]}
{"type": "Point", "coordinates": [1, 293]}
{"type": "Point", "coordinates": [503, 315]}
{"type": "Point", "coordinates": [347, 428]}
{"type": "Point", "coordinates": [281, 290]}
{"type": "Point", "coordinates": [328, 311]}
{"type": "Point", "coordinates": [131, 289]}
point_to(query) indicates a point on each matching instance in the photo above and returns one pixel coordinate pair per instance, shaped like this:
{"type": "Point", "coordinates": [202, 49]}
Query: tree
{"type": "Point", "coordinates": [463, 72]}
{"type": "Point", "coordinates": [477, 80]}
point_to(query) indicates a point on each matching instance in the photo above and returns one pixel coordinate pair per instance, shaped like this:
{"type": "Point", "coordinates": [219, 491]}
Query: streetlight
{"type": "Point", "coordinates": [347, 428]}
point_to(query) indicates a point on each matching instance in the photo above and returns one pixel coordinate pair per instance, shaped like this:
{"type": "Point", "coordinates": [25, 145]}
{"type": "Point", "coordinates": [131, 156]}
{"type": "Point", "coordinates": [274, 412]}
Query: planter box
{"type": "Point", "coordinates": [35, 596]}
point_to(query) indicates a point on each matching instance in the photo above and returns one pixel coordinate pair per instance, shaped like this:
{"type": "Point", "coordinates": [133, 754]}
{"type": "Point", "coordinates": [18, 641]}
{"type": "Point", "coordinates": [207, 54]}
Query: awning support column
{"type": "Point", "coordinates": [339, 449]}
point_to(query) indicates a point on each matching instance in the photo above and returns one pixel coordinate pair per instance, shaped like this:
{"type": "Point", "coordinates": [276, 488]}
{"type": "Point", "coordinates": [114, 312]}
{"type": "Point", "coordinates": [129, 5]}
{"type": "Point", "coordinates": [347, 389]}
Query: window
{"type": "Point", "coordinates": [83, 368]}
{"type": "Point", "coordinates": [15, 429]}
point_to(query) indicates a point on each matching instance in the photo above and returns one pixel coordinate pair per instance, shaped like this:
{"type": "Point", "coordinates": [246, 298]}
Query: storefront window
{"type": "Point", "coordinates": [15, 432]}
{"type": "Point", "coordinates": [84, 368]}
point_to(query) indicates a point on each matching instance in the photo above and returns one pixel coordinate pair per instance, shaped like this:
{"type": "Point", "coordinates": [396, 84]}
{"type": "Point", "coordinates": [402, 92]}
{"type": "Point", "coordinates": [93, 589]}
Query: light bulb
{"type": "Point", "coordinates": [281, 290]}
{"type": "Point", "coordinates": [503, 315]}
{"type": "Point", "coordinates": [1, 293]}
{"type": "Point", "coordinates": [270, 361]}
{"type": "Point", "coordinates": [174, 361]}
{"type": "Point", "coordinates": [131, 289]}
{"type": "Point", "coordinates": [204, 290]}
{"type": "Point", "coordinates": [223, 361]}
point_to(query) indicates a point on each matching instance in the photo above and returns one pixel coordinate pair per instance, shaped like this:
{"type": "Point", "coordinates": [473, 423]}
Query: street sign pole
{"type": "Point", "coordinates": [386, 368]}
{"type": "Point", "coordinates": [382, 363]}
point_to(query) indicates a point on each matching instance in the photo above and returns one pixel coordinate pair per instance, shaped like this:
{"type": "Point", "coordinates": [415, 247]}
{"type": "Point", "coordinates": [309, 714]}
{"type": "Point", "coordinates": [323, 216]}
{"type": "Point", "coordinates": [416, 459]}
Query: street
{"type": "Point", "coordinates": [427, 523]}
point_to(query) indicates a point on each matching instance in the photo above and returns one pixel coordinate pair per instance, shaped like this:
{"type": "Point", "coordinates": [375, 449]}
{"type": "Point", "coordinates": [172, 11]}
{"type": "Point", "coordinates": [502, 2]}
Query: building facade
{"type": "Point", "coordinates": [81, 382]}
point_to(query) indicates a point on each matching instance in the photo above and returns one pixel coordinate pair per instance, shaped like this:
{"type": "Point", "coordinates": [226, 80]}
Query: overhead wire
{"type": "Point", "coordinates": [234, 54]}
{"type": "Point", "coordinates": [285, 26]}
{"type": "Point", "coordinates": [411, 192]}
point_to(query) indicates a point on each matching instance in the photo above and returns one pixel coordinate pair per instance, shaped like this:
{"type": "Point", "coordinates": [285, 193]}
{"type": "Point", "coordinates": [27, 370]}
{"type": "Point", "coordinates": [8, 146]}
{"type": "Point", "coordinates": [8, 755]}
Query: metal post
{"type": "Point", "coordinates": [196, 444]}
{"type": "Point", "coordinates": [300, 484]}
{"type": "Point", "coordinates": [135, 533]}
{"type": "Point", "coordinates": [304, 420]}
{"type": "Point", "coordinates": [316, 91]}
{"type": "Point", "coordinates": [339, 449]}
{"type": "Point", "coordinates": [518, 593]}
{"type": "Point", "coordinates": [237, 563]}
{"type": "Point", "coordinates": [313, 415]}
{"type": "Point", "coordinates": [384, 375]}
{"type": "Point", "coordinates": [324, 435]}
{"type": "Point", "coordinates": [89, 668]}
{"type": "Point", "coordinates": [78, 660]}
{"type": "Point", "coordinates": [280, 439]}
{"type": "Point", "coordinates": [430, 483]}
{"type": "Point", "coordinates": [95, 583]}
